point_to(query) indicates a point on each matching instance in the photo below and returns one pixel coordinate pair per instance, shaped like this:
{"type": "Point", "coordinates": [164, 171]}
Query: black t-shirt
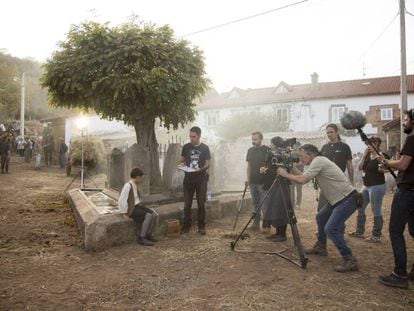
{"type": "Point", "coordinates": [195, 157]}
{"type": "Point", "coordinates": [256, 156]}
{"type": "Point", "coordinates": [406, 178]}
{"type": "Point", "coordinates": [338, 152]}
{"type": "Point", "coordinates": [371, 175]}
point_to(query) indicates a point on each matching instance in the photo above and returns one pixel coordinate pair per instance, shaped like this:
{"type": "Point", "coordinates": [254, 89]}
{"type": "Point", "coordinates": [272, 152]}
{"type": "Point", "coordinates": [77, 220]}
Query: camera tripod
{"type": "Point", "coordinates": [292, 222]}
{"type": "Point", "coordinates": [81, 174]}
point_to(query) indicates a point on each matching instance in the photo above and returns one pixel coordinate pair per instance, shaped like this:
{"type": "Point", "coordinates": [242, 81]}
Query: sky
{"type": "Point", "coordinates": [338, 39]}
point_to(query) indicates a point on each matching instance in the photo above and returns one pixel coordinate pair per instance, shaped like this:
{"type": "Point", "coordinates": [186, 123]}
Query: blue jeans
{"type": "Point", "coordinates": [373, 195]}
{"type": "Point", "coordinates": [257, 194]}
{"type": "Point", "coordinates": [331, 221]}
{"type": "Point", "coordinates": [402, 211]}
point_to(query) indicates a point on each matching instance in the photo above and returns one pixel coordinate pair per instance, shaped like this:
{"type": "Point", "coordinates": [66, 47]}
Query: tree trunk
{"type": "Point", "coordinates": [145, 132]}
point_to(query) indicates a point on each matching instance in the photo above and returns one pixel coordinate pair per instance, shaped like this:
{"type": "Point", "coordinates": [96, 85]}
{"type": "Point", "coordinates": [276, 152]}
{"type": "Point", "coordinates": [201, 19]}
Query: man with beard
{"type": "Point", "coordinates": [402, 208]}
{"type": "Point", "coordinates": [256, 158]}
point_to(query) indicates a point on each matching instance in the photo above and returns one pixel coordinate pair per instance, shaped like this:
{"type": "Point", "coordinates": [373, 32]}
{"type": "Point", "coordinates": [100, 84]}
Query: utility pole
{"type": "Point", "coordinates": [22, 99]}
{"type": "Point", "coordinates": [403, 69]}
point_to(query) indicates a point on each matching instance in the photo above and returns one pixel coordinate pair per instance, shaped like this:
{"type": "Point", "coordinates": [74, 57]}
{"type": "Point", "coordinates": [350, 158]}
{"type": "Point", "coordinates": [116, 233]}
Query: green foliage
{"type": "Point", "coordinates": [11, 69]}
{"type": "Point", "coordinates": [9, 89]}
{"type": "Point", "coordinates": [93, 151]}
{"type": "Point", "coordinates": [131, 72]}
{"type": "Point", "coordinates": [243, 124]}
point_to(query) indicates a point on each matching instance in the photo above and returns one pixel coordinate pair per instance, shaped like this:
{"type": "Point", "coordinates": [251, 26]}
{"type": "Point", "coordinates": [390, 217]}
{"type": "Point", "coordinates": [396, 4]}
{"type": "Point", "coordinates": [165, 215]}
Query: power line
{"type": "Point", "coordinates": [408, 12]}
{"type": "Point", "coordinates": [379, 36]}
{"type": "Point", "coordinates": [245, 18]}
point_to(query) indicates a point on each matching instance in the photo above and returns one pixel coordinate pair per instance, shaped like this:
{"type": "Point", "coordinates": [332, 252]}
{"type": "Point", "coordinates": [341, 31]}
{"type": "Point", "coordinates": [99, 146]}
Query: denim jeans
{"type": "Point", "coordinates": [402, 211]}
{"type": "Point", "coordinates": [373, 195]}
{"type": "Point", "coordinates": [331, 221]}
{"type": "Point", "coordinates": [257, 194]}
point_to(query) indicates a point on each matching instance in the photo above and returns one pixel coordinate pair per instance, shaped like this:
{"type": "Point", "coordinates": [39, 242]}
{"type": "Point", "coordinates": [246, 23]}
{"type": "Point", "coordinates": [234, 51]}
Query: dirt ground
{"type": "Point", "coordinates": [44, 267]}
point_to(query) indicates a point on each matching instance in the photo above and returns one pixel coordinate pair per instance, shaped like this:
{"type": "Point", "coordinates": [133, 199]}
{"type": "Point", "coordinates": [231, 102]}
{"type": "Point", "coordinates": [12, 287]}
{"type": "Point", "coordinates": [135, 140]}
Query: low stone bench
{"type": "Point", "coordinates": [102, 230]}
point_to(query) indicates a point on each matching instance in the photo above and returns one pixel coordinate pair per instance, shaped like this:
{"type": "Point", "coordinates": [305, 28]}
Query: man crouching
{"type": "Point", "coordinates": [342, 202]}
{"type": "Point", "coordinates": [130, 202]}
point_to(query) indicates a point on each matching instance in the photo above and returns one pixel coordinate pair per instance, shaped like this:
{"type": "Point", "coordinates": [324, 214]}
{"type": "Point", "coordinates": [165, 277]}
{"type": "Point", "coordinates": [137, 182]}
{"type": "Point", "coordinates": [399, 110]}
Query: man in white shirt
{"type": "Point", "coordinates": [129, 203]}
{"type": "Point", "coordinates": [342, 202]}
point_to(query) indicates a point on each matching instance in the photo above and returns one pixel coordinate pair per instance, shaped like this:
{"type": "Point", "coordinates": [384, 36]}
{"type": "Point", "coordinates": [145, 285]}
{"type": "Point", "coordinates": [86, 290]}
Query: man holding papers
{"type": "Point", "coordinates": [195, 161]}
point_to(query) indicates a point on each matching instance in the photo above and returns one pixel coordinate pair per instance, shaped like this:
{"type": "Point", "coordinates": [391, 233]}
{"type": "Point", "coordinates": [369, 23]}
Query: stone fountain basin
{"type": "Point", "coordinates": [102, 226]}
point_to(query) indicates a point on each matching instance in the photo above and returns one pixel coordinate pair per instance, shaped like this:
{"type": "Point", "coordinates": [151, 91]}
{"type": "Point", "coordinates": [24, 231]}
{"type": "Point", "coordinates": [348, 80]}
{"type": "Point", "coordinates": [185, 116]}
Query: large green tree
{"type": "Point", "coordinates": [134, 72]}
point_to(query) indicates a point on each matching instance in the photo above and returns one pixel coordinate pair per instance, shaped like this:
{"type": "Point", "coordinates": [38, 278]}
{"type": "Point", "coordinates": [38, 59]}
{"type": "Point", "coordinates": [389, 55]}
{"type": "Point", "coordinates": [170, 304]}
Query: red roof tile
{"type": "Point", "coordinates": [322, 90]}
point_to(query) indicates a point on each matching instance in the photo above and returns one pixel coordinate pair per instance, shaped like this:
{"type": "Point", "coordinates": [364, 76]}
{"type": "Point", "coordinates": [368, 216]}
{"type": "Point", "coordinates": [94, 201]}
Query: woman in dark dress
{"type": "Point", "coordinates": [275, 206]}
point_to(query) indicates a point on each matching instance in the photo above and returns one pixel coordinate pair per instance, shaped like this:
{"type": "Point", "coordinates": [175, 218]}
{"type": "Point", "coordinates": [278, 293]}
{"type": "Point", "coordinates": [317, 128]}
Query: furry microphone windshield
{"type": "Point", "coordinates": [353, 120]}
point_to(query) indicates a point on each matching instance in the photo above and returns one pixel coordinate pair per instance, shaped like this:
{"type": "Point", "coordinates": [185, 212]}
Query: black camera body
{"type": "Point", "coordinates": [283, 156]}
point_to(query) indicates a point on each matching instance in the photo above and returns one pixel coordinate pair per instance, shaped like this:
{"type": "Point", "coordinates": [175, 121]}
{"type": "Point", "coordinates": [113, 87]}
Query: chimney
{"type": "Point", "coordinates": [314, 80]}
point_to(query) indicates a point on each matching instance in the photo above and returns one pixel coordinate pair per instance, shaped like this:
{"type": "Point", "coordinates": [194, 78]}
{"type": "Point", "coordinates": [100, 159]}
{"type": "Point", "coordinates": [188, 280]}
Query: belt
{"type": "Point", "coordinates": [354, 192]}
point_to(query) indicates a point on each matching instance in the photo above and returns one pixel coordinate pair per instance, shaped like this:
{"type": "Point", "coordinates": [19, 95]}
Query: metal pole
{"type": "Point", "coordinates": [82, 185]}
{"type": "Point", "coordinates": [403, 69]}
{"type": "Point", "coordinates": [22, 99]}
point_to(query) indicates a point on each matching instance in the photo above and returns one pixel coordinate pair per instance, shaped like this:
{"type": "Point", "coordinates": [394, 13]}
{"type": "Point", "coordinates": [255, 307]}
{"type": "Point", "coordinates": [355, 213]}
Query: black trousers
{"type": "Point", "coordinates": [402, 212]}
{"type": "Point", "coordinates": [4, 163]}
{"type": "Point", "coordinates": [199, 186]}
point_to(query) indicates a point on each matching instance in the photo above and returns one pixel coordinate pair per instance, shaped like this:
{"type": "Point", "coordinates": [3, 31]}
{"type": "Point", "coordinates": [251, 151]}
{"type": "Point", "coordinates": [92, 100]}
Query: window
{"type": "Point", "coordinates": [282, 115]}
{"type": "Point", "coordinates": [386, 114]}
{"type": "Point", "coordinates": [336, 113]}
{"type": "Point", "coordinates": [212, 118]}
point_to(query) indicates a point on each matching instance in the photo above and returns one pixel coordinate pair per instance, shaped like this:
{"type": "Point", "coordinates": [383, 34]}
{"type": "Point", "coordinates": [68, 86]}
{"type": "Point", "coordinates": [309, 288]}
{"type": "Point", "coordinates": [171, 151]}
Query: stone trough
{"type": "Point", "coordinates": [102, 225]}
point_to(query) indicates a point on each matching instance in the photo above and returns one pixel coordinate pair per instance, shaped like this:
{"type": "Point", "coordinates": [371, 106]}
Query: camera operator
{"type": "Point", "coordinates": [274, 212]}
{"type": "Point", "coordinates": [256, 158]}
{"type": "Point", "coordinates": [342, 203]}
{"type": "Point", "coordinates": [402, 208]}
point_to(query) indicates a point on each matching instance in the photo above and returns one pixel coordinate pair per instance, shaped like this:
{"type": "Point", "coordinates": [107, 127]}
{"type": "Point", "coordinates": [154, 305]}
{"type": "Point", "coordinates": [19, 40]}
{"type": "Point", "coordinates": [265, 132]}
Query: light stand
{"type": "Point", "coordinates": [82, 181]}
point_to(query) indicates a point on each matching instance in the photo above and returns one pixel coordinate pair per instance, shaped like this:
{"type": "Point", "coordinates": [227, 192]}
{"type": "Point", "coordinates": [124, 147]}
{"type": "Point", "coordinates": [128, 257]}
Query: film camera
{"type": "Point", "coordinates": [284, 156]}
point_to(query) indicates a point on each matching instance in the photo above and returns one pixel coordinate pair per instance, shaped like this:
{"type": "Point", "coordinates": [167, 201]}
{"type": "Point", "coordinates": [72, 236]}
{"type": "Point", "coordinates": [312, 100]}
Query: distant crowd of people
{"type": "Point", "coordinates": [29, 148]}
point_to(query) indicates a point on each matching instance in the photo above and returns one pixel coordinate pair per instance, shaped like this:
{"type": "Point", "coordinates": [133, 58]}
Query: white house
{"type": "Point", "coordinates": [309, 107]}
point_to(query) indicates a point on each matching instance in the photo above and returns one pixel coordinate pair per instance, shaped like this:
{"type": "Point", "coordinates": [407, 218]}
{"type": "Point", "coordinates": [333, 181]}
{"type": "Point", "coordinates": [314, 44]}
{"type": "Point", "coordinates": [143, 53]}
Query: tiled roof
{"type": "Point", "coordinates": [386, 127]}
{"type": "Point", "coordinates": [321, 90]}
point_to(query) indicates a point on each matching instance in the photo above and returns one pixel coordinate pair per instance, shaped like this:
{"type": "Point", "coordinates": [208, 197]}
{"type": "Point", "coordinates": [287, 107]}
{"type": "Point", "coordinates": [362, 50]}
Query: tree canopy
{"type": "Point", "coordinates": [134, 72]}
{"type": "Point", "coordinates": [129, 72]}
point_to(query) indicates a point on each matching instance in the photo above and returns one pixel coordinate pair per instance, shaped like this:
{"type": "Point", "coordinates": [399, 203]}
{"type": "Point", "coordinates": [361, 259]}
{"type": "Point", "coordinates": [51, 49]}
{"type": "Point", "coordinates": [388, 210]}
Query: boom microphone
{"type": "Point", "coordinates": [353, 120]}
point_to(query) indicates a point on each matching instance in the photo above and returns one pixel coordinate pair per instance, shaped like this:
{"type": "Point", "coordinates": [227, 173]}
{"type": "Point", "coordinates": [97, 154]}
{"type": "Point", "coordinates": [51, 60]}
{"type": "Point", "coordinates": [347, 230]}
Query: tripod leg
{"type": "Point", "coordinates": [233, 244]}
{"type": "Point", "coordinates": [295, 232]}
{"type": "Point", "coordinates": [240, 208]}
{"type": "Point", "coordinates": [74, 178]}
{"type": "Point", "coordinates": [89, 176]}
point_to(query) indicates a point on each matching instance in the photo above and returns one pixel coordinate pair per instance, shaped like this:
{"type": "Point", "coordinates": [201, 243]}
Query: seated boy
{"type": "Point", "coordinates": [129, 203]}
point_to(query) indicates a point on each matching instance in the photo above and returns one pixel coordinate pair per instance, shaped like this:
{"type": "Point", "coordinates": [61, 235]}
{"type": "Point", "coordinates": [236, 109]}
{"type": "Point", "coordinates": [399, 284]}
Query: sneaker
{"type": "Point", "coordinates": [356, 234]}
{"type": "Point", "coordinates": [317, 249]}
{"type": "Point", "coordinates": [349, 264]}
{"type": "Point", "coordinates": [394, 280]}
{"type": "Point", "coordinates": [373, 239]}
{"type": "Point", "coordinates": [202, 231]}
{"type": "Point", "coordinates": [145, 242]}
